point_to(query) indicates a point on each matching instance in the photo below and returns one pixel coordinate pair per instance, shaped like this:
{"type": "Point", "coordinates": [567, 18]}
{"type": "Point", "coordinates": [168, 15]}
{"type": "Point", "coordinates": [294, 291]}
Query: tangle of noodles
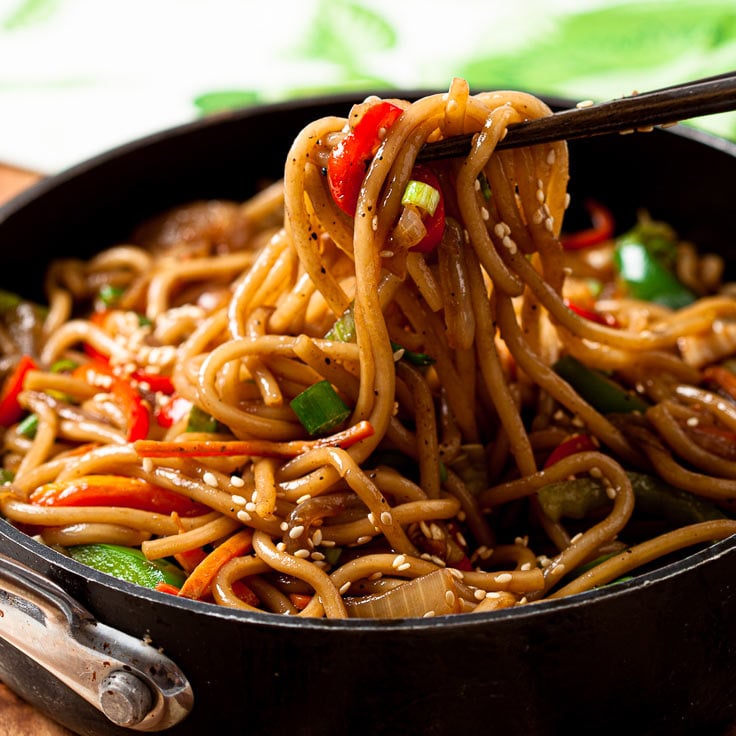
{"type": "Point", "coordinates": [479, 476]}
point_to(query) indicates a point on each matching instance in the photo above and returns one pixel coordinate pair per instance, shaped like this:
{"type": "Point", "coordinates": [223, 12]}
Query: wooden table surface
{"type": "Point", "coordinates": [17, 718]}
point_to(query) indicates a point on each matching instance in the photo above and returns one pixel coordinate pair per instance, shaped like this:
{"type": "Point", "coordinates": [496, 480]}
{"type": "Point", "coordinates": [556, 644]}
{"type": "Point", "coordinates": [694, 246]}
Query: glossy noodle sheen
{"type": "Point", "coordinates": [520, 419]}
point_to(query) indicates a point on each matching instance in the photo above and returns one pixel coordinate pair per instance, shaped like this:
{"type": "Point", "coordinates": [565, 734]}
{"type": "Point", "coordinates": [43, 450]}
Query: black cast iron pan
{"type": "Point", "coordinates": [655, 655]}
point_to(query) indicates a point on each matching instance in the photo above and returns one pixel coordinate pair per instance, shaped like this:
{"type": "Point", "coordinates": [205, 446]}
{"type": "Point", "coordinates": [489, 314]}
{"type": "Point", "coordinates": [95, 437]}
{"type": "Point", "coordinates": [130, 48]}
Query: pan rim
{"type": "Point", "coordinates": [690, 563]}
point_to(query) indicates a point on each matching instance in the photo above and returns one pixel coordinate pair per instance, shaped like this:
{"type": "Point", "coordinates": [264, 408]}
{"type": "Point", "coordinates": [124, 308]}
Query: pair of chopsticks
{"type": "Point", "coordinates": [640, 111]}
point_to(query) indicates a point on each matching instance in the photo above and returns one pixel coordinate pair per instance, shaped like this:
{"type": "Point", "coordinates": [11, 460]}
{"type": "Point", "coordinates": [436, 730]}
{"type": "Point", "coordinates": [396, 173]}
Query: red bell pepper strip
{"type": "Point", "coordinates": [116, 490]}
{"type": "Point", "coordinates": [154, 381]}
{"type": "Point", "coordinates": [350, 158]}
{"type": "Point", "coordinates": [435, 223]}
{"type": "Point", "coordinates": [100, 375]}
{"type": "Point", "coordinates": [172, 411]}
{"type": "Point", "coordinates": [10, 410]}
{"type": "Point", "coordinates": [572, 445]}
{"type": "Point", "coordinates": [592, 314]}
{"type": "Point", "coordinates": [300, 600]}
{"type": "Point", "coordinates": [602, 230]}
{"type": "Point", "coordinates": [722, 377]}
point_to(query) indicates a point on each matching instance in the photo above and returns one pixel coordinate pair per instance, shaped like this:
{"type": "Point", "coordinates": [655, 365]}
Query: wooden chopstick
{"type": "Point", "coordinates": [640, 111]}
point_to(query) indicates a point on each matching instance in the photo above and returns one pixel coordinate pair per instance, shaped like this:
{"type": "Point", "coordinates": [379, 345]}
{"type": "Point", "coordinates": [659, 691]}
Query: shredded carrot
{"type": "Point", "coordinates": [256, 448]}
{"type": "Point", "coordinates": [190, 559]}
{"type": "Point", "coordinates": [197, 585]}
{"type": "Point", "coordinates": [245, 594]}
{"type": "Point", "coordinates": [167, 588]}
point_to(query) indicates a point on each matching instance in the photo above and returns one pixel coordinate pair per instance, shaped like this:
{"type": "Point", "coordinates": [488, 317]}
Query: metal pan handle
{"type": "Point", "coordinates": [127, 679]}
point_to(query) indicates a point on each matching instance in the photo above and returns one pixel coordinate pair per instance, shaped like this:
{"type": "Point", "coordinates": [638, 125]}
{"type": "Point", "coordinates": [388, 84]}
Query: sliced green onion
{"type": "Point", "coordinates": [421, 195]}
{"type": "Point", "coordinates": [6, 476]}
{"type": "Point", "coordinates": [143, 321]}
{"type": "Point", "coordinates": [29, 426]}
{"type": "Point", "coordinates": [60, 366]}
{"type": "Point", "coordinates": [420, 359]}
{"type": "Point", "coordinates": [319, 408]}
{"type": "Point", "coordinates": [332, 554]}
{"type": "Point", "coordinates": [8, 300]}
{"type": "Point", "coordinates": [485, 186]}
{"type": "Point", "coordinates": [201, 421]}
{"type": "Point", "coordinates": [110, 294]}
{"type": "Point", "coordinates": [344, 328]}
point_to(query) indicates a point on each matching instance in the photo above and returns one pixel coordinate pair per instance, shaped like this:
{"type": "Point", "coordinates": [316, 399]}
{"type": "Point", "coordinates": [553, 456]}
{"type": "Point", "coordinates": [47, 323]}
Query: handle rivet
{"type": "Point", "coordinates": [124, 698]}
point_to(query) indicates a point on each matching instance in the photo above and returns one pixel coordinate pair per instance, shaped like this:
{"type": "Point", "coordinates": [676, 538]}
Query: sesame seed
{"type": "Point", "coordinates": [551, 156]}
{"type": "Point", "coordinates": [403, 567]}
{"type": "Point", "coordinates": [344, 588]}
{"type": "Point", "coordinates": [596, 472]}
{"type": "Point", "coordinates": [450, 598]}
{"type": "Point", "coordinates": [479, 595]}
{"type": "Point", "coordinates": [585, 103]}
{"type": "Point", "coordinates": [461, 539]}
{"type": "Point", "coordinates": [476, 185]}
{"type": "Point", "coordinates": [243, 516]}
{"type": "Point", "coordinates": [281, 547]}
{"type": "Point", "coordinates": [237, 481]}
{"type": "Point", "coordinates": [509, 244]}
{"type": "Point", "coordinates": [386, 518]}
{"type": "Point", "coordinates": [399, 354]}
{"type": "Point", "coordinates": [362, 540]}
{"type": "Point", "coordinates": [398, 560]}
{"type": "Point", "coordinates": [522, 541]}
{"type": "Point", "coordinates": [576, 538]}
{"type": "Point", "coordinates": [611, 492]}
{"type": "Point", "coordinates": [526, 566]}
{"type": "Point", "coordinates": [425, 529]}
{"type": "Point", "coordinates": [328, 543]}
{"type": "Point", "coordinates": [302, 553]}
{"type": "Point", "coordinates": [296, 531]}
{"type": "Point", "coordinates": [317, 537]}
{"type": "Point", "coordinates": [693, 422]}
{"type": "Point", "coordinates": [456, 573]}
{"type": "Point", "coordinates": [318, 556]}
{"type": "Point", "coordinates": [374, 223]}
{"type": "Point", "coordinates": [549, 224]}
{"type": "Point", "coordinates": [237, 500]}
{"type": "Point", "coordinates": [147, 465]}
{"type": "Point", "coordinates": [375, 575]}
{"type": "Point", "coordinates": [250, 506]}
{"type": "Point", "coordinates": [493, 595]}
{"type": "Point", "coordinates": [567, 200]}
{"type": "Point", "coordinates": [284, 526]}
{"type": "Point", "coordinates": [540, 196]}
{"type": "Point", "coordinates": [304, 498]}
{"type": "Point", "coordinates": [386, 254]}
{"type": "Point", "coordinates": [209, 479]}
{"type": "Point", "coordinates": [484, 213]}
{"type": "Point", "coordinates": [504, 577]}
